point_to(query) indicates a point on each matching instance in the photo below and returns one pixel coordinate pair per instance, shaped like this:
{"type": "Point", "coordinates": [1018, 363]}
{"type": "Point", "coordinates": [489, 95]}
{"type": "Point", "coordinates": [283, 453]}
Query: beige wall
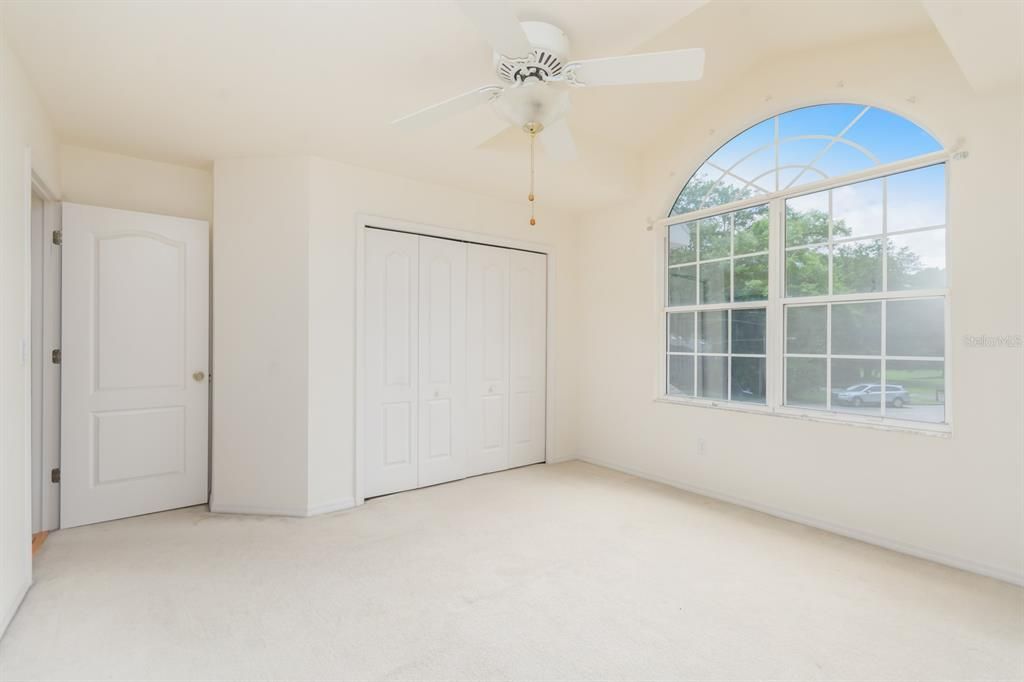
{"type": "Point", "coordinates": [260, 368]}
{"type": "Point", "coordinates": [956, 499]}
{"type": "Point", "coordinates": [100, 178]}
{"type": "Point", "coordinates": [25, 137]}
{"type": "Point", "coordinates": [284, 320]}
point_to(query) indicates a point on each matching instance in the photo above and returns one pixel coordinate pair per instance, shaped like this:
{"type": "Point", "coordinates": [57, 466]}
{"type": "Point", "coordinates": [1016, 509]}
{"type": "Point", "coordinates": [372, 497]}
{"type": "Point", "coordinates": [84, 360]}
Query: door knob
{"type": "Point", "coordinates": [198, 376]}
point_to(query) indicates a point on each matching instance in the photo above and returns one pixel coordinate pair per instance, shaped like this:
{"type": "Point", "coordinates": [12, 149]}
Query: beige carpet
{"type": "Point", "coordinates": [567, 571]}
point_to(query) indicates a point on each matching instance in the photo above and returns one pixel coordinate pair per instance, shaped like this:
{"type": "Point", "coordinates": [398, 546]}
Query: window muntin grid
{"type": "Point", "coordinates": [871, 358]}
{"type": "Point", "coordinates": [802, 146]}
{"type": "Point", "coordinates": [719, 259]}
{"type": "Point", "coordinates": [925, 237]}
{"type": "Point", "coordinates": [717, 354]}
{"type": "Point", "coordinates": [872, 236]}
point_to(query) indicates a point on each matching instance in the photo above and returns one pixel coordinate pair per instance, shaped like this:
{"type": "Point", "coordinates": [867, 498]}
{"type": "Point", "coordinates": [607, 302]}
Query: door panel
{"type": "Point", "coordinates": [442, 347]}
{"type": "Point", "coordinates": [140, 277]}
{"type": "Point", "coordinates": [135, 298]}
{"type": "Point", "coordinates": [122, 434]}
{"type": "Point", "coordinates": [391, 358]}
{"type": "Point", "coordinates": [437, 432]}
{"type": "Point", "coordinates": [528, 362]}
{"type": "Point", "coordinates": [487, 354]}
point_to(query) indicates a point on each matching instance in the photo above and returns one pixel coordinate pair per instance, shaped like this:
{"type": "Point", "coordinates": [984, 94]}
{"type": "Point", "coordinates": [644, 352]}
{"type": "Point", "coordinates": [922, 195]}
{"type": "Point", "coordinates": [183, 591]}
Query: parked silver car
{"type": "Point", "coordinates": [871, 394]}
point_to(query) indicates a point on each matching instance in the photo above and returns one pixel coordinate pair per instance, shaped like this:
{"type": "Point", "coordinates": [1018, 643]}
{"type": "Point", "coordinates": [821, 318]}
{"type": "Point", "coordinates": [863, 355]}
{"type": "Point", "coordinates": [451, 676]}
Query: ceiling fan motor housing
{"type": "Point", "coordinates": [545, 62]}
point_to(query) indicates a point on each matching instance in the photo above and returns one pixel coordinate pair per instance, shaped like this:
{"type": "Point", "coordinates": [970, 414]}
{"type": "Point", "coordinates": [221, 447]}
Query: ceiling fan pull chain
{"type": "Point", "coordinates": [533, 205]}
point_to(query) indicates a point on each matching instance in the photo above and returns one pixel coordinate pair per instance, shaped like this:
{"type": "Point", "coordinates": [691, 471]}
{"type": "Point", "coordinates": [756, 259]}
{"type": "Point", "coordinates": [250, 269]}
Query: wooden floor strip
{"type": "Point", "coordinates": [38, 539]}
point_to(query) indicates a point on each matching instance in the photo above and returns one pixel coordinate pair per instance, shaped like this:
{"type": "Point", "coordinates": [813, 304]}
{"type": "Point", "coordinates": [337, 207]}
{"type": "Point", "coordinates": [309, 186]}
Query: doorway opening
{"type": "Point", "coordinates": [43, 359]}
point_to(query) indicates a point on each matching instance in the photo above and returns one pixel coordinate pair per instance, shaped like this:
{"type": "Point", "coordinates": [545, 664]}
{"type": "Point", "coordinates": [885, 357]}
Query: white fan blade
{"type": "Point", "coordinates": [481, 131]}
{"type": "Point", "coordinates": [652, 67]}
{"type": "Point", "coordinates": [557, 141]}
{"type": "Point", "coordinates": [459, 103]}
{"type": "Point", "coordinates": [499, 25]}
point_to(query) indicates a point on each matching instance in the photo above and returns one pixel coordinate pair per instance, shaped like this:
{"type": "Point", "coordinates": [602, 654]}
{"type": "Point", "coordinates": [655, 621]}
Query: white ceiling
{"type": "Point", "coordinates": [190, 82]}
{"type": "Point", "coordinates": [987, 39]}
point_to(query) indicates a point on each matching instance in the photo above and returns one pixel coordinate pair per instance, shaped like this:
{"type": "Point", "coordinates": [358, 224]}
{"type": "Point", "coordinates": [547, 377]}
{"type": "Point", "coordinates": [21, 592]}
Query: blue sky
{"type": "Point", "coordinates": [887, 136]}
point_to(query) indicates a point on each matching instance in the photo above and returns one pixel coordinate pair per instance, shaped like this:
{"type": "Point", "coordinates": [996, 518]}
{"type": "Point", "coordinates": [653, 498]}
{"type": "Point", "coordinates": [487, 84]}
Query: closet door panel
{"type": "Point", "coordinates": [391, 373]}
{"type": "Point", "coordinates": [442, 355]}
{"type": "Point", "coordinates": [487, 354]}
{"type": "Point", "coordinates": [528, 361]}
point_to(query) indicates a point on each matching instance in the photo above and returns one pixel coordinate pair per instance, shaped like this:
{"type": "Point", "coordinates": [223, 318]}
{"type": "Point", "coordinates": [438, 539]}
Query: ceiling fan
{"type": "Point", "coordinates": [531, 61]}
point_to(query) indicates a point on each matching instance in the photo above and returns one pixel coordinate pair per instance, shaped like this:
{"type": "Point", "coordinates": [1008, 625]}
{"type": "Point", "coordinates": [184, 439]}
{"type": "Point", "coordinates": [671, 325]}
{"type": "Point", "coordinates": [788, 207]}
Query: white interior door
{"type": "Point", "coordinates": [487, 354]}
{"type": "Point", "coordinates": [391, 357]}
{"type": "Point", "coordinates": [528, 359]}
{"type": "Point", "coordinates": [442, 370]}
{"type": "Point", "coordinates": [135, 350]}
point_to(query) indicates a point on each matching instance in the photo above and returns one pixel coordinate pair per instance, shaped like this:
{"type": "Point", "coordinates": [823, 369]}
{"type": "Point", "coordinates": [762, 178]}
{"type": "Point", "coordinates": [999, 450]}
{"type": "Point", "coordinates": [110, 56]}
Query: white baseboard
{"type": "Point", "coordinates": [11, 608]}
{"type": "Point", "coordinates": [331, 506]}
{"type": "Point", "coordinates": [558, 459]}
{"type": "Point", "coordinates": [299, 512]}
{"type": "Point", "coordinates": [256, 509]}
{"type": "Point", "coordinates": [870, 538]}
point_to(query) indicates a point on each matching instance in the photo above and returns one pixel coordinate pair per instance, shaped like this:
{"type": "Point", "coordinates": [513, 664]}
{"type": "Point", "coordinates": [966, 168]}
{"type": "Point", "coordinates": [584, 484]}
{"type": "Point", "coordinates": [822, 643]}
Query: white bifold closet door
{"type": "Point", "coordinates": [442, 344]}
{"type": "Point", "coordinates": [527, 362]}
{"type": "Point", "coordinates": [487, 354]}
{"type": "Point", "coordinates": [454, 360]}
{"type": "Point", "coordinates": [391, 356]}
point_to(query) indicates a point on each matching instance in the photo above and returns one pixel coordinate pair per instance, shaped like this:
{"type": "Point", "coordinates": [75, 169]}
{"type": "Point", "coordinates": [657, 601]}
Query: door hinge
{"type": "Point", "coordinates": [58, 237]}
{"type": "Point", "coordinates": [55, 356]}
{"type": "Point", "coordinates": [55, 475]}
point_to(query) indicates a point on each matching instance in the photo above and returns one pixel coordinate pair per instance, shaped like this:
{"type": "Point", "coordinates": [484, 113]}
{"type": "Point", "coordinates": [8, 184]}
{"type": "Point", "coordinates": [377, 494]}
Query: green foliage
{"type": "Point", "coordinates": [807, 272]}
{"type": "Point", "coordinates": [925, 382]}
{"type": "Point", "coordinates": [714, 237]}
{"type": "Point", "coordinates": [751, 230]}
{"type": "Point", "coordinates": [805, 381]}
{"type": "Point", "coordinates": [751, 277]}
{"type": "Point", "coordinates": [906, 271]}
{"type": "Point", "coordinates": [857, 266]}
{"type": "Point", "coordinates": [748, 379]}
{"type": "Point", "coordinates": [703, 192]}
{"type": "Point", "coordinates": [809, 227]}
{"type": "Point", "coordinates": [682, 244]}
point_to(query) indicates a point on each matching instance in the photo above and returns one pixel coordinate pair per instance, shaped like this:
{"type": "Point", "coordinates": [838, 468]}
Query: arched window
{"type": "Point", "coordinates": [805, 270]}
{"type": "Point", "coordinates": [800, 147]}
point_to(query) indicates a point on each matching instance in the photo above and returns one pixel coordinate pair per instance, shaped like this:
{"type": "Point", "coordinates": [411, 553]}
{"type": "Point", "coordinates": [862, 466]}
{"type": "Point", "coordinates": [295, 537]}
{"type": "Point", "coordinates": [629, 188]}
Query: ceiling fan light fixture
{"type": "Point", "coordinates": [531, 60]}
{"type": "Point", "coordinates": [550, 47]}
{"type": "Point", "coordinates": [532, 101]}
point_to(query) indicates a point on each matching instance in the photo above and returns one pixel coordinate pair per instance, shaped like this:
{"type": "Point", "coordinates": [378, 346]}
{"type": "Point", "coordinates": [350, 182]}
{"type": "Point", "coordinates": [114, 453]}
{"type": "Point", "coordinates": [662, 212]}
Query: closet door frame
{"type": "Point", "coordinates": [366, 222]}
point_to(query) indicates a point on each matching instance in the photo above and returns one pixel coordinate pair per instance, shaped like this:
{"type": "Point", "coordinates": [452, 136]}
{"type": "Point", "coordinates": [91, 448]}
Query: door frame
{"type": "Point", "coordinates": [368, 221]}
{"type": "Point", "coordinates": [188, 232]}
{"type": "Point", "coordinates": [48, 492]}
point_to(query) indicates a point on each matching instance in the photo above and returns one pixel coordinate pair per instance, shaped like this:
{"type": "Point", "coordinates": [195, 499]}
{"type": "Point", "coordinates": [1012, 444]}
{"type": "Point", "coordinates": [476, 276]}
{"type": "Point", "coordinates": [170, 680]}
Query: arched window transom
{"type": "Point", "coordinates": [800, 147]}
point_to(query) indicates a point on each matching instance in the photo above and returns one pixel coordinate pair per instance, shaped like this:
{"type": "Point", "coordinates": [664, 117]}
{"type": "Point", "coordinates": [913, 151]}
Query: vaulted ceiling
{"type": "Point", "coordinates": [191, 82]}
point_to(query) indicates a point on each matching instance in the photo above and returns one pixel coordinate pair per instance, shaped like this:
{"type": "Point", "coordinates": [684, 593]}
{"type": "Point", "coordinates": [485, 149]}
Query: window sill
{"type": "Point", "coordinates": [925, 429]}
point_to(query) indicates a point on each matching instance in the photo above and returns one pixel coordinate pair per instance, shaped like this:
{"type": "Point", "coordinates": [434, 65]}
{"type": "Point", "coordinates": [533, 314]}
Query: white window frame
{"type": "Point", "coordinates": [775, 304]}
